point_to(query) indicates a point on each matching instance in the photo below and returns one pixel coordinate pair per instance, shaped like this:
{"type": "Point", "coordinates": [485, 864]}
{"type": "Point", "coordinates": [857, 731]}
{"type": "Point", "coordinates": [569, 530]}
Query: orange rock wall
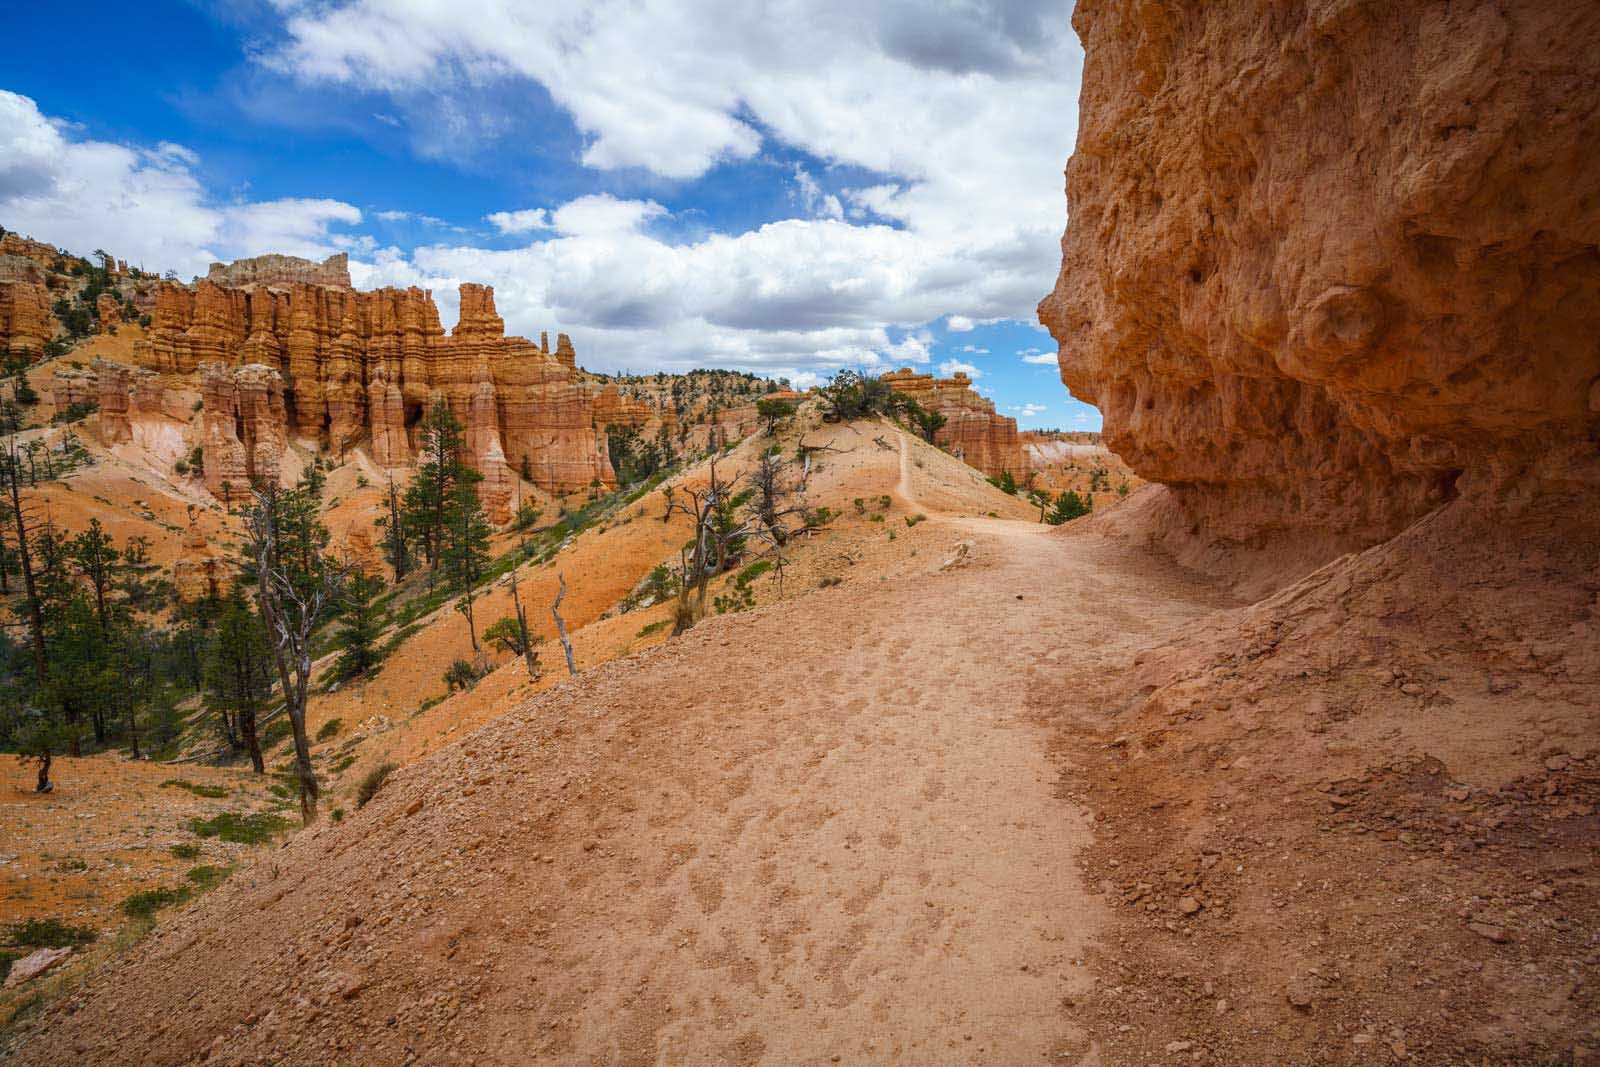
{"type": "Point", "coordinates": [366, 365]}
{"type": "Point", "coordinates": [973, 431]}
{"type": "Point", "coordinates": [26, 321]}
{"type": "Point", "coordinates": [1329, 265]}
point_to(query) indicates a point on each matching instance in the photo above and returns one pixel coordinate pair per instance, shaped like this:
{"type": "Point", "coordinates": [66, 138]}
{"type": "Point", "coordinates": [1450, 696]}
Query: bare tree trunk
{"type": "Point", "coordinates": [561, 627]}
{"type": "Point", "coordinates": [528, 654]}
{"type": "Point", "coordinates": [43, 785]}
{"type": "Point", "coordinates": [247, 727]}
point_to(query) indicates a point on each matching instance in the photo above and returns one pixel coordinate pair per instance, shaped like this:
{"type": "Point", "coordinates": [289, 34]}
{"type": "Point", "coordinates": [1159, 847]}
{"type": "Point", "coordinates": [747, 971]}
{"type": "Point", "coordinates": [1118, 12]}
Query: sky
{"type": "Point", "coordinates": [787, 188]}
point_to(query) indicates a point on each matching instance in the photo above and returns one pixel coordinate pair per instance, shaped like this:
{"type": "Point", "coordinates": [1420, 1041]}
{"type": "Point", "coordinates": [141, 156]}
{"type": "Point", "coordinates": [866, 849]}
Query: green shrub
{"type": "Point", "coordinates": [912, 520]}
{"type": "Point", "coordinates": [47, 933]}
{"type": "Point", "coordinates": [337, 815]}
{"type": "Point", "coordinates": [329, 729]}
{"type": "Point", "coordinates": [461, 675]}
{"type": "Point", "coordinates": [146, 902]}
{"type": "Point", "coordinates": [185, 851]}
{"type": "Point", "coordinates": [199, 790]}
{"type": "Point", "coordinates": [205, 876]}
{"type": "Point", "coordinates": [241, 828]}
{"type": "Point", "coordinates": [372, 783]}
{"type": "Point", "coordinates": [655, 627]}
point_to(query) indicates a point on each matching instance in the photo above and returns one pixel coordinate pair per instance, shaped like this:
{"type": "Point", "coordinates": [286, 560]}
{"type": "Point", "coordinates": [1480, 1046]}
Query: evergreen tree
{"type": "Point", "coordinates": [359, 626]}
{"type": "Point", "coordinates": [466, 546]}
{"type": "Point", "coordinates": [429, 497]}
{"type": "Point", "coordinates": [94, 556]}
{"type": "Point", "coordinates": [239, 674]}
{"type": "Point", "coordinates": [1069, 506]}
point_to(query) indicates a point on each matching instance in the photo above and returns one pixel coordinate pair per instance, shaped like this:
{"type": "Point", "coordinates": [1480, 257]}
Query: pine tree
{"type": "Point", "coordinates": [429, 497]}
{"type": "Point", "coordinates": [239, 674]}
{"type": "Point", "coordinates": [466, 546]}
{"type": "Point", "coordinates": [359, 626]}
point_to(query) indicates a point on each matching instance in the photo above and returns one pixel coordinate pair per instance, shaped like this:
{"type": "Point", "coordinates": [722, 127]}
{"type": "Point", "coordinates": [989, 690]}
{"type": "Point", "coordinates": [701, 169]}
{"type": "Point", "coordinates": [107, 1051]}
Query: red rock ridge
{"type": "Point", "coordinates": [1330, 265]}
{"type": "Point", "coordinates": [972, 432]}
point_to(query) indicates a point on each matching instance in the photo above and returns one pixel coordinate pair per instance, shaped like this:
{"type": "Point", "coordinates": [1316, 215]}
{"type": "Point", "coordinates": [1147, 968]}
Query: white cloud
{"type": "Point", "coordinates": [1028, 410]}
{"type": "Point", "coordinates": [951, 367]}
{"type": "Point", "coordinates": [525, 221]}
{"type": "Point", "coordinates": [603, 215]}
{"type": "Point", "coordinates": [1033, 355]}
{"type": "Point", "coordinates": [952, 123]}
{"type": "Point", "coordinates": [142, 205]}
{"type": "Point", "coordinates": [975, 350]}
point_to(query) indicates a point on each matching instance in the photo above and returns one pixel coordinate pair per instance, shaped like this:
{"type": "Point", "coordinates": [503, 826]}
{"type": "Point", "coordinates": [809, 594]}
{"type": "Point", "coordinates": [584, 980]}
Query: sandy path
{"type": "Point", "coordinates": [822, 832]}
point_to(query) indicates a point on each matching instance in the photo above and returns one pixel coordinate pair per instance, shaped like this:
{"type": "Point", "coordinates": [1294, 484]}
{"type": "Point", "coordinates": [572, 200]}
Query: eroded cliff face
{"type": "Point", "coordinates": [1329, 265]}
{"type": "Point", "coordinates": [364, 366]}
{"type": "Point", "coordinates": [973, 431]}
{"type": "Point", "coordinates": [26, 321]}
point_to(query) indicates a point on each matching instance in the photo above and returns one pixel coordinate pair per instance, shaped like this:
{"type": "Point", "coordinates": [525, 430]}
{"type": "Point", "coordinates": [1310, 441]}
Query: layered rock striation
{"type": "Point", "coordinates": [26, 321]}
{"type": "Point", "coordinates": [244, 428]}
{"type": "Point", "coordinates": [973, 431]}
{"type": "Point", "coordinates": [1331, 265]}
{"type": "Point", "coordinates": [365, 366]}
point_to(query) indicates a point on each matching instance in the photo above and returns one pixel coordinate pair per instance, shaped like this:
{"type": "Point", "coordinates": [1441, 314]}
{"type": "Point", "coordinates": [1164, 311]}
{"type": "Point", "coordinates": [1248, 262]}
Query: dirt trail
{"type": "Point", "coordinates": [826, 831]}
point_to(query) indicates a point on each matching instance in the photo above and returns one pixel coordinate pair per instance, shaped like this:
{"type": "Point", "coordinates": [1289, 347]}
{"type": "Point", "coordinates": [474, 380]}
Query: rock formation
{"type": "Point", "coordinates": [366, 366]}
{"type": "Point", "coordinates": [74, 386]}
{"type": "Point", "coordinates": [281, 270]}
{"type": "Point", "coordinates": [244, 428]}
{"type": "Point", "coordinates": [1328, 274]}
{"type": "Point", "coordinates": [26, 321]}
{"type": "Point", "coordinates": [108, 309]}
{"type": "Point", "coordinates": [201, 571]}
{"type": "Point", "coordinates": [972, 431]}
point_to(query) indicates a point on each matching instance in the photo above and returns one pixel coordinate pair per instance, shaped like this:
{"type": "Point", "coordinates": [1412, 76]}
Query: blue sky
{"type": "Point", "coordinates": [787, 188]}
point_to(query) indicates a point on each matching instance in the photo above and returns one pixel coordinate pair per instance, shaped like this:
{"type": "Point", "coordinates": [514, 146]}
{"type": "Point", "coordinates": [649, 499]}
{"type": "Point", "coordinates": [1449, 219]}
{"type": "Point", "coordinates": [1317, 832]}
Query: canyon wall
{"type": "Point", "coordinates": [364, 366]}
{"type": "Point", "coordinates": [1329, 265]}
{"type": "Point", "coordinates": [26, 321]}
{"type": "Point", "coordinates": [972, 431]}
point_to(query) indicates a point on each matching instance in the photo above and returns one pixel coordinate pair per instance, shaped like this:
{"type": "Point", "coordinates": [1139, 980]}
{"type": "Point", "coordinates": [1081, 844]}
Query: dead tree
{"type": "Point", "coordinates": [297, 585]}
{"type": "Point", "coordinates": [719, 527]}
{"type": "Point", "coordinates": [561, 627]}
{"type": "Point", "coordinates": [529, 654]}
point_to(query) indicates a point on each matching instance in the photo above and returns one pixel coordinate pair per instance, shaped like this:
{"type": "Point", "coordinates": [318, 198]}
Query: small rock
{"type": "Point", "coordinates": [1490, 932]}
{"type": "Point", "coordinates": [1300, 994]}
{"type": "Point", "coordinates": [1412, 689]}
{"type": "Point", "coordinates": [1179, 1046]}
{"type": "Point", "coordinates": [414, 807]}
{"type": "Point", "coordinates": [1558, 762]}
{"type": "Point", "coordinates": [1188, 905]}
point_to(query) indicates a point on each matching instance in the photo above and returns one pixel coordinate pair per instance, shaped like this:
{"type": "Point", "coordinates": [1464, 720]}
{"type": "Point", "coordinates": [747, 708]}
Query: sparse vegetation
{"type": "Point", "coordinates": [198, 789]}
{"type": "Point", "coordinates": [372, 782]}
{"type": "Point", "coordinates": [240, 828]}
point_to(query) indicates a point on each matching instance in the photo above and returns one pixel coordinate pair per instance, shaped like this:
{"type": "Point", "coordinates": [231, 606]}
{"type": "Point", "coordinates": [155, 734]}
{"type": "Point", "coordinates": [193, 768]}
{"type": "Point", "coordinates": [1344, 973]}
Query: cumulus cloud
{"type": "Point", "coordinates": [527, 220]}
{"type": "Point", "coordinates": [1029, 410]}
{"type": "Point", "coordinates": [144, 205]}
{"type": "Point", "coordinates": [966, 111]}
{"type": "Point", "coordinates": [1033, 355]}
{"type": "Point", "coordinates": [951, 367]}
{"type": "Point", "coordinates": [929, 140]}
